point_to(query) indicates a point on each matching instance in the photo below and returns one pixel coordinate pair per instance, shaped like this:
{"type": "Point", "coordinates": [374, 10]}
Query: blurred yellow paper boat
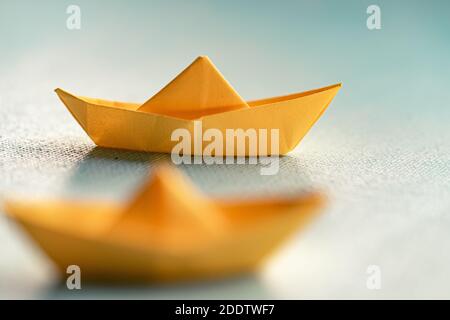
{"type": "Point", "coordinates": [198, 94]}
{"type": "Point", "coordinates": [168, 231]}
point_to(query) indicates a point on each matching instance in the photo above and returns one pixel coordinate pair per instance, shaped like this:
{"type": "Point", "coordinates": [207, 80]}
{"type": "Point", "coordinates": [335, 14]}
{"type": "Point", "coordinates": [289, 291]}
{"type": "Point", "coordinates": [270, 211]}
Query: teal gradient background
{"type": "Point", "coordinates": [264, 48]}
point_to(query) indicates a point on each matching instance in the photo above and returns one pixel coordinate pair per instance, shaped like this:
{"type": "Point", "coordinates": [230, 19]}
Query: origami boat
{"type": "Point", "coordinates": [198, 94]}
{"type": "Point", "coordinates": [168, 231]}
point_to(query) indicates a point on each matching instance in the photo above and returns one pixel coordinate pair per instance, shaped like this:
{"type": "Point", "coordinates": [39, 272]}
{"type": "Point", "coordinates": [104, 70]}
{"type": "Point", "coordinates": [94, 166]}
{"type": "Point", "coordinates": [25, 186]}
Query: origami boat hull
{"type": "Point", "coordinates": [121, 125]}
{"type": "Point", "coordinates": [103, 257]}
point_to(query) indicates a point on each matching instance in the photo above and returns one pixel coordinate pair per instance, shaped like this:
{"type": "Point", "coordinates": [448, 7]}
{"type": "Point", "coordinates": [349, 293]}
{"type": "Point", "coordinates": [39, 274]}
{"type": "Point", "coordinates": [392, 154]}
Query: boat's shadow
{"type": "Point", "coordinates": [110, 172]}
{"type": "Point", "coordinates": [117, 173]}
{"type": "Point", "coordinates": [242, 287]}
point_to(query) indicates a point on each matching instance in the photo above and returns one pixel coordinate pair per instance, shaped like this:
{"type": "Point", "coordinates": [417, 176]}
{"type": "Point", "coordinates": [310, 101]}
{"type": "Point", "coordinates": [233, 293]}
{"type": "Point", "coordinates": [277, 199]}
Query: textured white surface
{"type": "Point", "coordinates": [388, 204]}
{"type": "Point", "coordinates": [381, 153]}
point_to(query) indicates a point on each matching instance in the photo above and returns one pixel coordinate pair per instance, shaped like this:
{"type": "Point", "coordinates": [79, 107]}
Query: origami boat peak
{"type": "Point", "coordinates": [169, 202]}
{"type": "Point", "coordinates": [198, 90]}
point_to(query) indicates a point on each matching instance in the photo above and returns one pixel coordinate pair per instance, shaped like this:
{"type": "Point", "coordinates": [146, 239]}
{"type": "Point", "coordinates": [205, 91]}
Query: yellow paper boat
{"type": "Point", "coordinates": [199, 93]}
{"type": "Point", "coordinates": [169, 231]}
